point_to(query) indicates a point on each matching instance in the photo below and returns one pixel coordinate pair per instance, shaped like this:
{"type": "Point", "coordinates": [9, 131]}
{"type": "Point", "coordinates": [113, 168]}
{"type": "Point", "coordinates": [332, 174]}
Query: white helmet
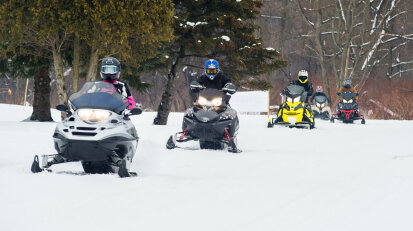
{"type": "Point", "coordinates": [303, 76]}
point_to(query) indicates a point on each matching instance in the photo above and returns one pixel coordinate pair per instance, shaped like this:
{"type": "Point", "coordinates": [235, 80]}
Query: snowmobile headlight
{"type": "Point", "coordinates": [318, 105]}
{"type": "Point", "coordinates": [350, 101]}
{"type": "Point", "coordinates": [296, 99]}
{"type": "Point", "coordinates": [289, 99]}
{"type": "Point", "coordinates": [93, 115]}
{"type": "Point", "coordinates": [323, 105]}
{"type": "Point", "coordinates": [217, 101]}
{"type": "Point", "coordinates": [202, 101]}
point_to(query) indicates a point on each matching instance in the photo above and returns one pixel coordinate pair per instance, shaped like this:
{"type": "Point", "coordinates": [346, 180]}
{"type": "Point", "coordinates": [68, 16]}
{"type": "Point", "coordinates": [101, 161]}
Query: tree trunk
{"type": "Point", "coordinates": [17, 92]}
{"type": "Point", "coordinates": [41, 102]}
{"type": "Point", "coordinates": [320, 51]}
{"type": "Point", "coordinates": [59, 76]}
{"type": "Point", "coordinates": [93, 63]}
{"type": "Point", "coordinates": [167, 96]}
{"type": "Point", "coordinates": [76, 61]}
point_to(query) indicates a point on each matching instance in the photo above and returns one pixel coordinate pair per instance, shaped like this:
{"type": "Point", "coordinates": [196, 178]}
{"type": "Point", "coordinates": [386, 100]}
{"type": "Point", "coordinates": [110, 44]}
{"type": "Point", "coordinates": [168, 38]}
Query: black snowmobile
{"type": "Point", "coordinates": [320, 107]}
{"type": "Point", "coordinates": [97, 131]}
{"type": "Point", "coordinates": [211, 121]}
{"type": "Point", "coordinates": [347, 109]}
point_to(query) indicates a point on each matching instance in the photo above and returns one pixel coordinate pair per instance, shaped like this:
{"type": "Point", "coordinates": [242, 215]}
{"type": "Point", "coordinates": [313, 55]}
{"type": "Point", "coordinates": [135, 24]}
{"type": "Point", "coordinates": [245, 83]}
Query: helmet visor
{"type": "Point", "coordinates": [302, 78]}
{"type": "Point", "coordinates": [211, 71]}
{"type": "Point", "coordinates": [109, 69]}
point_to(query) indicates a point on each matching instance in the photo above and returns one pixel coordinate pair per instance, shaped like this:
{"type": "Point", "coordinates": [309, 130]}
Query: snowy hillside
{"type": "Point", "coordinates": [336, 177]}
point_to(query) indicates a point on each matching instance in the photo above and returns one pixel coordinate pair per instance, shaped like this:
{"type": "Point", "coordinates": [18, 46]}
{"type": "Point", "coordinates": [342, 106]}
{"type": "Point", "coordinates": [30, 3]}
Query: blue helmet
{"type": "Point", "coordinates": [211, 68]}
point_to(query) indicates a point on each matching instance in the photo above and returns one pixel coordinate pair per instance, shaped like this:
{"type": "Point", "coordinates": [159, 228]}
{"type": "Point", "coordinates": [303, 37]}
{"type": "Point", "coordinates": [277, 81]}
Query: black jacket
{"type": "Point", "coordinates": [218, 82]}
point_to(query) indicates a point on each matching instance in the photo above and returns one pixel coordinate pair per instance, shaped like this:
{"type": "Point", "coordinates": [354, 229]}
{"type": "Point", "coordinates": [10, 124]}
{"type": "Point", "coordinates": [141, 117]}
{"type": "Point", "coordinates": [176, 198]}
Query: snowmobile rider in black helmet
{"type": "Point", "coordinates": [213, 78]}
{"type": "Point", "coordinates": [110, 73]}
{"type": "Point", "coordinates": [303, 81]}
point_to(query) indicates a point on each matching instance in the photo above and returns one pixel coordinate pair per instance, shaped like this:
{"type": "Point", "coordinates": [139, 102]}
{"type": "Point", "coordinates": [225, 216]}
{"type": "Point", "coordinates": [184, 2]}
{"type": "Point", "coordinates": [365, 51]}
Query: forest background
{"type": "Point", "coordinates": [370, 42]}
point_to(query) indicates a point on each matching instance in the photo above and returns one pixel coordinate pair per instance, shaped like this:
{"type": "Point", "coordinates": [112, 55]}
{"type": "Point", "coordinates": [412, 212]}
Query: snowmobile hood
{"type": "Point", "coordinates": [206, 116]}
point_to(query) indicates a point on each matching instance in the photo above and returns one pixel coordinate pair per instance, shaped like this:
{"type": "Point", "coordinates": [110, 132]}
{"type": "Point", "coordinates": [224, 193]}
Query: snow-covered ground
{"type": "Point", "coordinates": [335, 177]}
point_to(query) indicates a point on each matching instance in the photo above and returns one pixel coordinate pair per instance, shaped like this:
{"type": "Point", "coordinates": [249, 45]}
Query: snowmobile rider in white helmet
{"type": "Point", "coordinates": [110, 73]}
{"type": "Point", "coordinates": [303, 81]}
{"type": "Point", "coordinates": [213, 78]}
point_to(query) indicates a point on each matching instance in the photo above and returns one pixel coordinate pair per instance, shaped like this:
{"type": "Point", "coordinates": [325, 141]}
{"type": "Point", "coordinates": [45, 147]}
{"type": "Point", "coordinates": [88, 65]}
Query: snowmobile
{"type": "Point", "coordinates": [97, 129]}
{"type": "Point", "coordinates": [211, 121]}
{"type": "Point", "coordinates": [294, 112]}
{"type": "Point", "coordinates": [320, 107]}
{"type": "Point", "coordinates": [347, 109]}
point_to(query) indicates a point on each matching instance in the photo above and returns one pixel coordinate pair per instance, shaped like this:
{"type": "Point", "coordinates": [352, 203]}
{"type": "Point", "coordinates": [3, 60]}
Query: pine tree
{"type": "Point", "coordinates": [223, 30]}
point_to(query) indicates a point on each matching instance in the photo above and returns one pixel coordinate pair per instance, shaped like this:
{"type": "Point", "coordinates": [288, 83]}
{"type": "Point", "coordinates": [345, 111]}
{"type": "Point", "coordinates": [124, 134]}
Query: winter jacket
{"type": "Point", "coordinates": [352, 89]}
{"type": "Point", "coordinates": [218, 82]}
{"type": "Point", "coordinates": [123, 89]}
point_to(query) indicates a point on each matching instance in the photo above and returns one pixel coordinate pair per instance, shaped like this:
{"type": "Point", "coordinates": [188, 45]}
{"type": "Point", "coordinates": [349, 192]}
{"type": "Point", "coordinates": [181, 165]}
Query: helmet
{"type": "Point", "coordinates": [347, 82]}
{"type": "Point", "coordinates": [319, 89]}
{"type": "Point", "coordinates": [110, 69]}
{"type": "Point", "coordinates": [303, 76]}
{"type": "Point", "coordinates": [211, 68]}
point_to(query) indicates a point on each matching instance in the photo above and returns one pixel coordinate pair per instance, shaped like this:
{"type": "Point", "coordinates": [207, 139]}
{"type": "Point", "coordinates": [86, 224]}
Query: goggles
{"type": "Point", "coordinates": [109, 69]}
{"type": "Point", "coordinates": [211, 71]}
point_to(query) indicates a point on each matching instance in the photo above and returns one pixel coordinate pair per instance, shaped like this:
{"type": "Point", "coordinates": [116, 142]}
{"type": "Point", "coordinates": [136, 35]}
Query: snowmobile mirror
{"type": "Point", "coordinates": [338, 93]}
{"type": "Point", "coordinates": [62, 108]}
{"type": "Point", "coordinates": [135, 111]}
{"type": "Point", "coordinates": [357, 94]}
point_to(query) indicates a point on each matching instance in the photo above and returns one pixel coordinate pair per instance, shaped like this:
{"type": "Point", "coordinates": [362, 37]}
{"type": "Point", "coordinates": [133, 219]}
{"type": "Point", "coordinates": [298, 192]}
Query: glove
{"type": "Point", "coordinates": [195, 86]}
{"type": "Point", "coordinates": [230, 88]}
{"type": "Point", "coordinates": [131, 103]}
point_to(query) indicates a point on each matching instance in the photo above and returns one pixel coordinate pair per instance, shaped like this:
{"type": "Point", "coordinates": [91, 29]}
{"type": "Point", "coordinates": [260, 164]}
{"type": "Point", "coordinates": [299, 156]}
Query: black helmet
{"type": "Point", "coordinates": [110, 69]}
{"type": "Point", "coordinates": [347, 82]}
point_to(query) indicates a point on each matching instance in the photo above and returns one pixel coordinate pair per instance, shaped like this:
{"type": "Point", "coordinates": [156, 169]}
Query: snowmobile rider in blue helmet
{"type": "Point", "coordinates": [213, 78]}
{"type": "Point", "coordinates": [303, 81]}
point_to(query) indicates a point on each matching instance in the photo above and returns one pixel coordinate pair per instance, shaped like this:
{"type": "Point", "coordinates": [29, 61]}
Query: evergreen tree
{"type": "Point", "coordinates": [223, 30]}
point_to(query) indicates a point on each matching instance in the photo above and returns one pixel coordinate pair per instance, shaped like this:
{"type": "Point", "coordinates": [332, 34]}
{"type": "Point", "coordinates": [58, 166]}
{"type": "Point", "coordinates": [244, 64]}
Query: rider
{"type": "Point", "coordinates": [319, 91]}
{"type": "Point", "coordinates": [347, 87]}
{"type": "Point", "coordinates": [213, 78]}
{"type": "Point", "coordinates": [303, 82]}
{"type": "Point", "coordinates": [110, 73]}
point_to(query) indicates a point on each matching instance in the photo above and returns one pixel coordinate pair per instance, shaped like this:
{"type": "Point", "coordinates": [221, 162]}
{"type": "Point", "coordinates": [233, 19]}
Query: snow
{"type": "Point", "coordinates": [257, 101]}
{"type": "Point", "coordinates": [336, 177]}
{"type": "Point", "coordinates": [226, 38]}
{"type": "Point", "coordinates": [270, 49]}
{"type": "Point", "coordinates": [67, 72]}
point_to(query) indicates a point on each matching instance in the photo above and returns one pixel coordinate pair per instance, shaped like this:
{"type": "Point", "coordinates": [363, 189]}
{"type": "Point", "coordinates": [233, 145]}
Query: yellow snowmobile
{"type": "Point", "coordinates": [294, 112]}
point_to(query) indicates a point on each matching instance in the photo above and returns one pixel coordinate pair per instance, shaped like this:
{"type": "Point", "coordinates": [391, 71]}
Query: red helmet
{"type": "Point", "coordinates": [319, 89]}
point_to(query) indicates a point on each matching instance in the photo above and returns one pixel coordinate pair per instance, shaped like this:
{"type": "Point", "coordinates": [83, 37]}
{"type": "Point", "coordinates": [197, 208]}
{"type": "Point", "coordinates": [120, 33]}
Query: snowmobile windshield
{"type": "Point", "coordinates": [348, 95]}
{"type": "Point", "coordinates": [294, 91]}
{"type": "Point", "coordinates": [211, 98]}
{"type": "Point", "coordinates": [98, 95]}
{"type": "Point", "coordinates": [320, 99]}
